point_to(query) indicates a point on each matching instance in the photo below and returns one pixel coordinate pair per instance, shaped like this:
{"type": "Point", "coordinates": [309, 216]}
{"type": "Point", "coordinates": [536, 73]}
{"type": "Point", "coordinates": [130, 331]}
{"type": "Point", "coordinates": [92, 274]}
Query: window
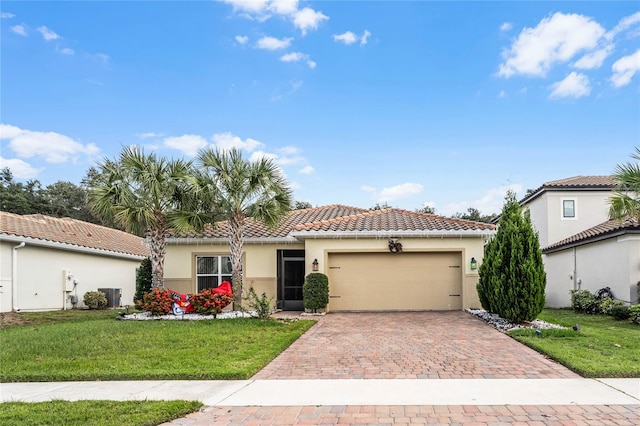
{"type": "Point", "coordinates": [569, 208]}
{"type": "Point", "coordinates": [211, 271]}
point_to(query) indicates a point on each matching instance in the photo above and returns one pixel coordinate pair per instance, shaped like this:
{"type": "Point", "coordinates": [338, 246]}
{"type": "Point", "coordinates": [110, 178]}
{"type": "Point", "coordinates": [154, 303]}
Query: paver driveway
{"type": "Point", "coordinates": [408, 345]}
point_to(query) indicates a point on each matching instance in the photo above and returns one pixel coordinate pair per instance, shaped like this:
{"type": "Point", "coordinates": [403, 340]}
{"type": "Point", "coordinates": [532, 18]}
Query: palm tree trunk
{"type": "Point", "coordinates": [157, 246]}
{"type": "Point", "coordinates": [235, 247]}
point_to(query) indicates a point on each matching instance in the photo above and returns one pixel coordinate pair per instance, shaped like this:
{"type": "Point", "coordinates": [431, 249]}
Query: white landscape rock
{"type": "Point", "coordinates": [505, 325]}
{"type": "Point", "coordinates": [146, 316]}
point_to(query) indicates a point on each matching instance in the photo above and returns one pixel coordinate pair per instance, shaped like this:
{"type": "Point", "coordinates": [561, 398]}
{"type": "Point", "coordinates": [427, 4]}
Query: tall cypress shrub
{"type": "Point", "coordinates": [143, 280]}
{"type": "Point", "coordinates": [512, 277]}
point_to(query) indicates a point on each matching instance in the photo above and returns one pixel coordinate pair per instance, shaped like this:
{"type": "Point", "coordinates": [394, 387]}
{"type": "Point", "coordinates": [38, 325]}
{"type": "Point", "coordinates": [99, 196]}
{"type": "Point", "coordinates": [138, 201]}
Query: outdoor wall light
{"type": "Point", "coordinates": [315, 265]}
{"type": "Point", "coordinates": [474, 264]}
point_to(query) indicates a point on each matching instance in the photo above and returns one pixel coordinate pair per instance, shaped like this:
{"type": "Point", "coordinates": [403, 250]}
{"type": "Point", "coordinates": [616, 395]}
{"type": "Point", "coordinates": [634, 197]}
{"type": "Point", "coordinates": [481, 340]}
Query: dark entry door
{"type": "Point", "coordinates": [291, 281]}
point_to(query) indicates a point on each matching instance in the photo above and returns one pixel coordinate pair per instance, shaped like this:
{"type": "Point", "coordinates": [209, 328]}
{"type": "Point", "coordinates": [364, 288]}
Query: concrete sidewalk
{"type": "Point", "coordinates": [342, 392]}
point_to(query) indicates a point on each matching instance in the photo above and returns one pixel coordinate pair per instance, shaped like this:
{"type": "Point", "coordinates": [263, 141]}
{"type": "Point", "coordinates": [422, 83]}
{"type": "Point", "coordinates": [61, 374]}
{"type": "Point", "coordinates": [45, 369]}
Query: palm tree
{"type": "Point", "coordinates": [244, 189]}
{"type": "Point", "coordinates": [625, 203]}
{"type": "Point", "coordinates": [148, 196]}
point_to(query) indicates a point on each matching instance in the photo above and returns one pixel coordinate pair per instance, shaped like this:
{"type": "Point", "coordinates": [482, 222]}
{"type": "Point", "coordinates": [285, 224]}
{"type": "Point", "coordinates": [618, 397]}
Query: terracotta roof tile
{"type": "Point", "coordinates": [72, 231]}
{"type": "Point", "coordinates": [604, 229]}
{"type": "Point", "coordinates": [336, 218]}
{"type": "Point", "coordinates": [604, 183]}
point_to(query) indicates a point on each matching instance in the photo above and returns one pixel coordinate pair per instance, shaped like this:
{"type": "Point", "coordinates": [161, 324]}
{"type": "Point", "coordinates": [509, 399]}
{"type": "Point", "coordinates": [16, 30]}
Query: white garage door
{"type": "Point", "coordinates": [395, 281]}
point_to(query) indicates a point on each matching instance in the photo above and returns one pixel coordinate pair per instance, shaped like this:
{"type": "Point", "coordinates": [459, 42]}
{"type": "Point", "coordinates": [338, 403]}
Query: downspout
{"type": "Point", "coordinates": [575, 271]}
{"type": "Point", "coordinates": [14, 276]}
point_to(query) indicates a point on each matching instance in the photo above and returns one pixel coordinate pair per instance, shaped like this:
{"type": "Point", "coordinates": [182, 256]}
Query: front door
{"type": "Point", "coordinates": [291, 281]}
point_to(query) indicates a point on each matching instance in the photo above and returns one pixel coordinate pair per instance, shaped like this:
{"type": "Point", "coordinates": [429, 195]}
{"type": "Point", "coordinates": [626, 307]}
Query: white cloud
{"type": "Point", "coordinates": [249, 6]}
{"type": "Point", "coordinates": [625, 68]}
{"type": "Point", "coordinates": [399, 191]}
{"type": "Point", "coordinates": [102, 57]}
{"type": "Point", "coordinates": [290, 150]}
{"type": "Point", "coordinates": [6, 15]}
{"type": "Point", "coordinates": [293, 57]}
{"type": "Point", "coordinates": [367, 188]}
{"type": "Point", "coordinates": [624, 24]}
{"type": "Point", "coordinates": [19, 29]}
{"type": "Point", "coordinates": [259, 155]}
{"type": "Point", "coordinates": [189, 145]}
{"type": "Point", "coordinates": [19, 169]}
{"type": "Point", "coordinates": [311, 64]}
{"type": "Point", "coordinates": [502, 94]}
{"type": "Point", "coordinates": [147, 135]}
{"type": "Point", "coordinates": [555, 39]}
{"type": "Point", "coordinates": [47, 34]}
{"type": "Point", "coordinates": [242, 39]}
{"type": "Point", "coordinates": [346, 37]}
{"type": "Point", "coordinates": [308, 19]}
{"type": "Point", "coordinates": [67, 51]}
{"type": "Point", "coordinates": [53, 147]}
{"type": "Point", "coordinates": [575, 85]}
{"type": "Point", "coordinates": [490, 203]}
{"type": "Point", "coordinates": [594, 59]}
{"type": "Point", "coordinates": [307, 170]}
{"type": "Point", "coordinates": [364, 38]}
{"type": "Point", "coordinates": [272, 43]}
{"type": "Point", "coordinates": [227, 141]}
{"type": "Point", "coordinates": [507, 26]}
{"type": "Point", "coordinates": [283, 7]}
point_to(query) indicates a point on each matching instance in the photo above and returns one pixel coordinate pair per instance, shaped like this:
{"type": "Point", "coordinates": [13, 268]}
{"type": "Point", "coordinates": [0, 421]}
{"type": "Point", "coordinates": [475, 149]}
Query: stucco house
{"type": "Point", "coordinates": [376, 260]}
{"type": "Point", "coordinates": [582, 248]}
{"type": "Point", "coordinates": [49, 263]}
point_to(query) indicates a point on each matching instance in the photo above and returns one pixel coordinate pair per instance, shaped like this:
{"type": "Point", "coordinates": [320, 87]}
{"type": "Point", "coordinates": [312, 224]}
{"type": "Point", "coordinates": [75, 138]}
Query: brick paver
{"type": "Point", "coordinates": [409, 345]}
{"type": "Point", "coordinates": [560, 415]}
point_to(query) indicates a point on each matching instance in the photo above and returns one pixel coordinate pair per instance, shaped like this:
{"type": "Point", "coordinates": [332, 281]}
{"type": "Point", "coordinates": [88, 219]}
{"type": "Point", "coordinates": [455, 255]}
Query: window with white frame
{"type": "Point", "coordinates": [569, 209]}
{"type": "Point", "coordinates": [211, 271]}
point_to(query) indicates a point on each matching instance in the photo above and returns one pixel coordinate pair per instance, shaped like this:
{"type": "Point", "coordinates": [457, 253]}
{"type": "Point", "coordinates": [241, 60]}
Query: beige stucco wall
{"type": "Point", "coordinates": [40, 276]}
{"type": "Point", "coordinates": [591, 208]}
{"type": "Point", "coordinates": [260, 267]}
{"type": "Point", "coordinates": [613, 263]}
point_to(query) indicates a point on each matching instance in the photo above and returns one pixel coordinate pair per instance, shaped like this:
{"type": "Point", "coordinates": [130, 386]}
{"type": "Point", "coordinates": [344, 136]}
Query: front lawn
{"type": "Point", "coordinates": [603, 347]}
{"type": "Point", "coordinates": [105, 349]}
{"type": "Point", "coordinates": [102, 413]}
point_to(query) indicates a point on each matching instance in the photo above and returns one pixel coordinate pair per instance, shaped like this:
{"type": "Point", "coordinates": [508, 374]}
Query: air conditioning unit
{"type": "Point", "coordinates": [113, 296]}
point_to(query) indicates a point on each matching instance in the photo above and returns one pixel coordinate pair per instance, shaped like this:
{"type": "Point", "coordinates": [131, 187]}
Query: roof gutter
{"type": "Point", "coordinates": [588, 240]}
{"type": "Point", "coordinates": [70, 247]}
{"type": "Point", "coordinates": [14, 276]}
{"type": "Point", "coordinates": [394, 234]}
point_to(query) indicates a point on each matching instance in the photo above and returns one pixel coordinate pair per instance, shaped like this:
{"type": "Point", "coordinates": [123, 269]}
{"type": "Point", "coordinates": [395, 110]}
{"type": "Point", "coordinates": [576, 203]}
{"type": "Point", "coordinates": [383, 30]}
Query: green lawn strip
{"type": "Point", "coordinates": [603, 347]}
{"type": "Point", "coordinates": [103, 413]}
{"type": "Point", "coordinates": [49, 317]}
{"type": "Point", "coordinates": [107, 349]}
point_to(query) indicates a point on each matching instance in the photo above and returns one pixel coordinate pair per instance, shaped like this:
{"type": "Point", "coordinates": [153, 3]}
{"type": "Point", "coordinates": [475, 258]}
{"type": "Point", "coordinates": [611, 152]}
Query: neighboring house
{"type": "Point", "coordinates": [581, 248]}
{"type": "Point", "coordinates": [49, 263]}
{"type": "Point", "coordinates": [354, 247]}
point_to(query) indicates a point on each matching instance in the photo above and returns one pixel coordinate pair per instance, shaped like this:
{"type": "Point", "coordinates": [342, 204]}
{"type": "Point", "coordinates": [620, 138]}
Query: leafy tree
{"type": "Point", "coordinates": [625, 201]}
{"type": "Point", "coordinates": [379, 206]}
{"type": "Point", "coordinates": [475, 215]}
{"type": "Point", "coordinates": [243, 189]}
{"type": "Point", "coordinates": [147, 196]}
{"type": "Point", "coordinates": [19, 198]}
{"type": "Point", "coordinates": [301, 205]}
{"type": "Point", "coordinates": [68, 200]}
{"type": "Point", "coordinates": [426, 209]}
{"type": "Point", "coordinates": [512, 277]}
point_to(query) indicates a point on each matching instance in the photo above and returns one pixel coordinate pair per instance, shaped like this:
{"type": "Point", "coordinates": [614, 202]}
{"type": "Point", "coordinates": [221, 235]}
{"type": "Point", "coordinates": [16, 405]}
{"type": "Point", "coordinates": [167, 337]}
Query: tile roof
{"type": "Point", "coordinates": [599, 232]}
{"type": "Point", "coordinates": [339, 218]}
{"type": "Point", "coordinates": [71, 231]}
{"type": "Point", "coordinates": [604, 183]}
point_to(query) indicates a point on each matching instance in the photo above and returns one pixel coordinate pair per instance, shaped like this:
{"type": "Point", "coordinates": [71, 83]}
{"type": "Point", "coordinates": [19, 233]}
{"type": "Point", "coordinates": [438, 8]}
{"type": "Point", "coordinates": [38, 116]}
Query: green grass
{"type": "Point", "coordinates": [105, 349]}
{"type": "Point", "coordinates": [103, 413]}
{"type": "Point", "coordinates": [603, 347]}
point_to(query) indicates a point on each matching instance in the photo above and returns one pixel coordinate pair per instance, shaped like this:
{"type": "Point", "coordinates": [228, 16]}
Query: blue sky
{"type": "Point", "coordinates": [360, 102]}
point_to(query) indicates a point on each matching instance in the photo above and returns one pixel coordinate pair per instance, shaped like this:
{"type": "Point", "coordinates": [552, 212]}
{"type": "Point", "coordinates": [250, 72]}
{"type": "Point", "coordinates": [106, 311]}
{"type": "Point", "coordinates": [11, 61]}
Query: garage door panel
{"type": "Point", "coordinates": [395, 281]}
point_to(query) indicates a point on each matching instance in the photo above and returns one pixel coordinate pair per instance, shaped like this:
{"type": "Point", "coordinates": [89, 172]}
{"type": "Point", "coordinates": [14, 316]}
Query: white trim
{"type": "Point", "coordinates": [575, 208]}
{"type": "Point", "coordinates": [66, 246]}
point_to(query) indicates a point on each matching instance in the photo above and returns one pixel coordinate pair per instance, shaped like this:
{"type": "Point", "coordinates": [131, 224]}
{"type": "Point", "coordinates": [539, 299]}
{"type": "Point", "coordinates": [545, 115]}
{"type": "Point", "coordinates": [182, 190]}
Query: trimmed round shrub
{"type": "Point", "coordinates": [209, 303]}
{"type": "Point", "coordinates": [620, 313]}
{"type": "Point", "coordinates": [315, 291]}
{"type": "Point", "coordinates": [583, 301]}
{"type": "Point", "coordinates": [95, 300]}
{"type": "Point", "coordinates": [608, 304]}
{"type": "Point", "coordinates": [157, 301]}
{"type": "Point", "coordinates": [634, 314]}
